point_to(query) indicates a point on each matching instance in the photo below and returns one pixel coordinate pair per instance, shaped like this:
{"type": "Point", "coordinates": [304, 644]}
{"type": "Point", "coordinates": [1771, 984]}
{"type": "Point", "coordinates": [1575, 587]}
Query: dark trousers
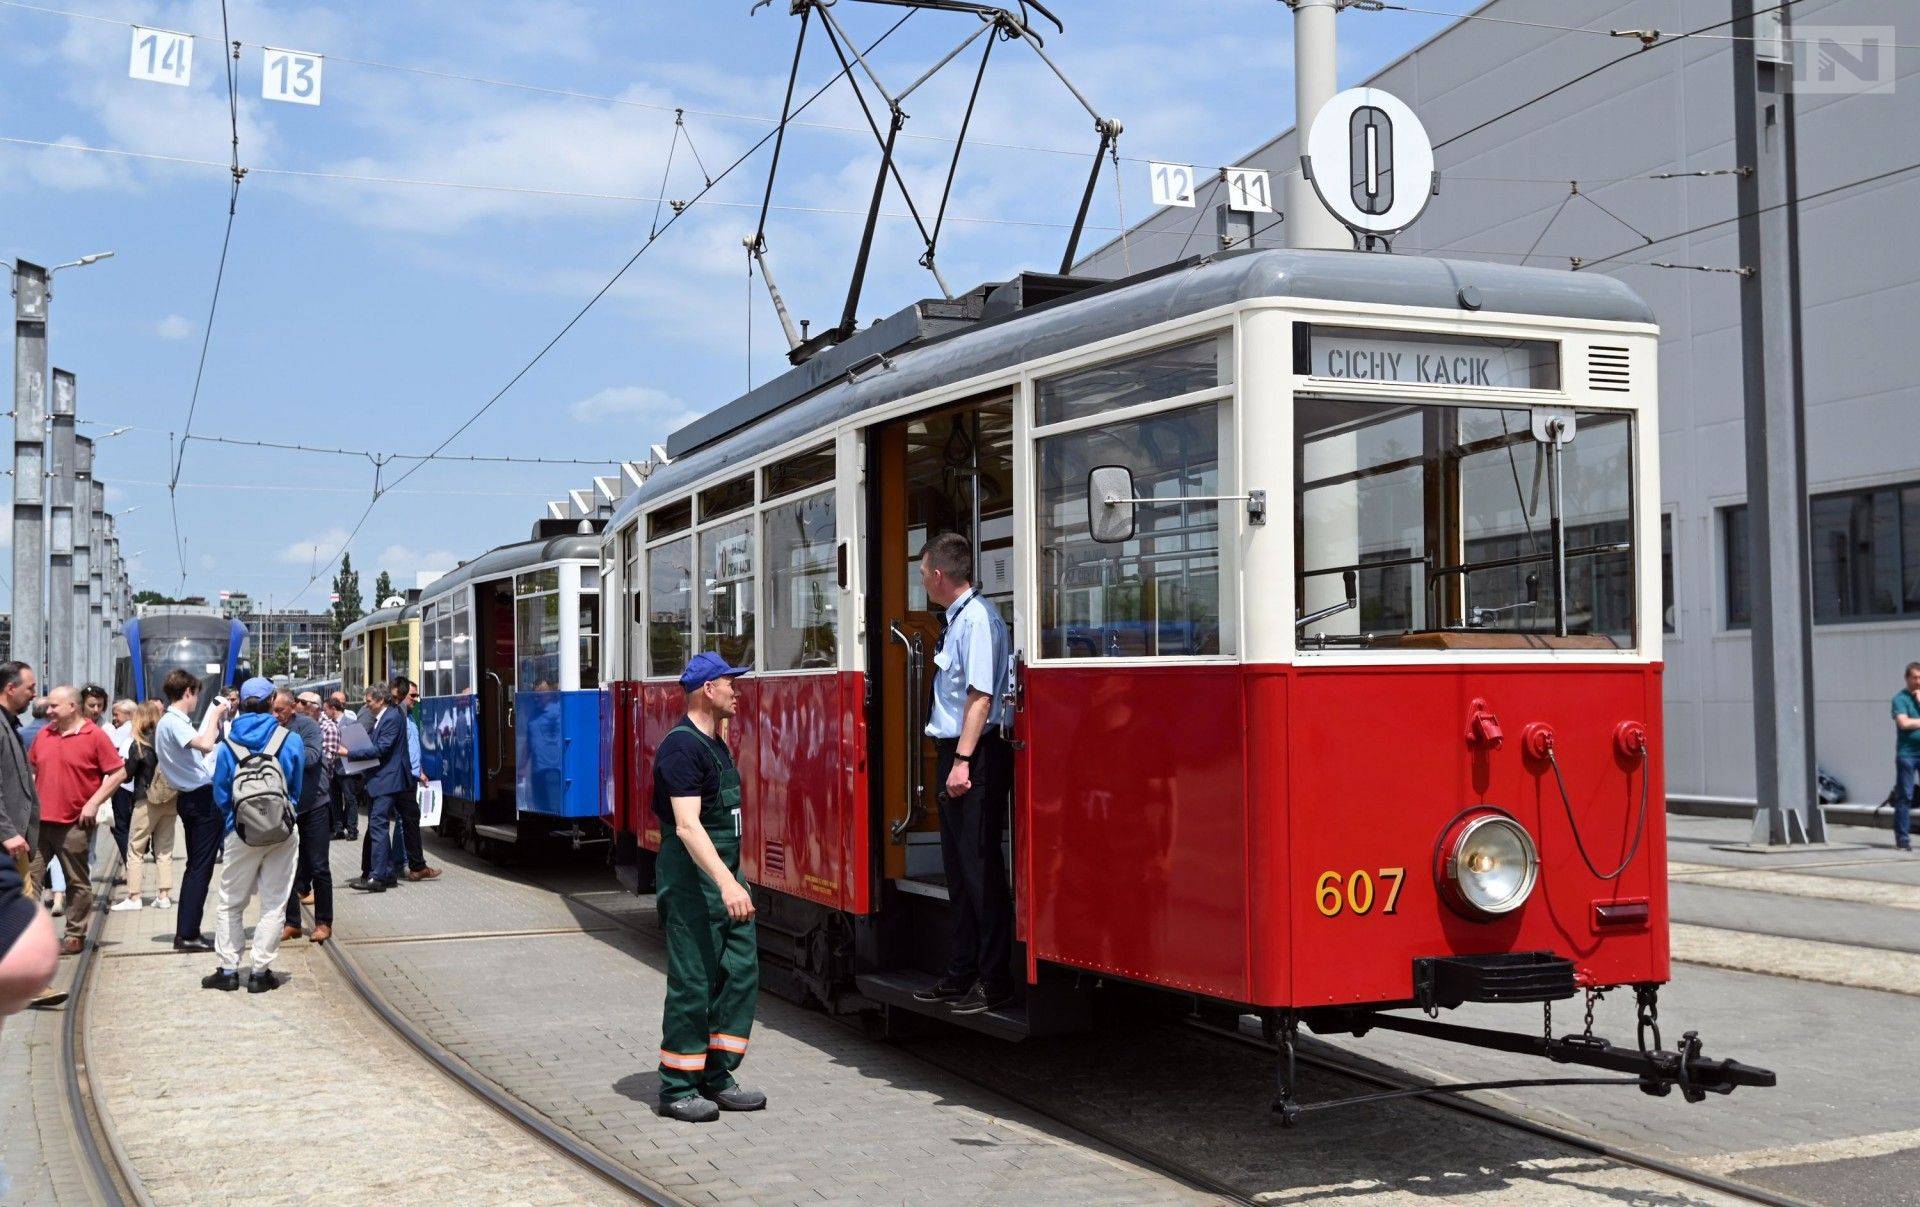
{"type": "Point", "coordinates": [982, 901]}
{"type": "Point", "coordinates": [343, 800]}
{"type": "Point", "coordinates": [200, 824]}
{"type": "Point", "coordinates": [313, 871]}
{"type": "Point", "coordinates": [122, 823]}
{"type": "Point", "coordinates": [1906, 769]}
{"type": "Point", "coordinates": [382, 828]}
{"type": "Point", "coordinates": [408, 832]}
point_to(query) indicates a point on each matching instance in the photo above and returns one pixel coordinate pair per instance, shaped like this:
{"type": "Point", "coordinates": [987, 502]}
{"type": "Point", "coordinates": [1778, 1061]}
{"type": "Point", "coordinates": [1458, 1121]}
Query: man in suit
{"type": "Point", "coordinates": [385, 784]}
{"type": "Point", "coordinates": [20, 810]}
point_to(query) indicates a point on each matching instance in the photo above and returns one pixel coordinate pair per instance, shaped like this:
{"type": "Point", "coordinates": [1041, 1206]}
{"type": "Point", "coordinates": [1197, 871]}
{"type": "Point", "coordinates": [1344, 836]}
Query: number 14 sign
{"type": "Point", "coordinates": [162, 56]}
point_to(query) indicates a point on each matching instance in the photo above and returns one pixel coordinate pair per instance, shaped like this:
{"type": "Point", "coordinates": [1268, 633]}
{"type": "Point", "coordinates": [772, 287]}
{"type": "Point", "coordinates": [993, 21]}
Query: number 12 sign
{"type": "Point", "coordinates": [290, 75]}
{"type": "Point", "coordinates": [161, 56]}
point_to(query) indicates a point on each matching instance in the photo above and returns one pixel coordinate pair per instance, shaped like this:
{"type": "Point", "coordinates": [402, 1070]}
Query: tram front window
{"type": "Point", "coordinates": [1445, 514]}
{"type": "Point", "coordinates": [204, 657]}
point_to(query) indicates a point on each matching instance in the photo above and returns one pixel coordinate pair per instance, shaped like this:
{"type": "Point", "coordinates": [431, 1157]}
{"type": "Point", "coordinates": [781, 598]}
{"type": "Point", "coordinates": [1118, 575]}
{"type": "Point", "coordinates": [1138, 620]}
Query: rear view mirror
{"type": "Point", "coordinates": [1110, 516]}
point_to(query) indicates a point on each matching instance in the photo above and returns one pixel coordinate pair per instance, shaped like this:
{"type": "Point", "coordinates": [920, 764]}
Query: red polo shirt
{"type": "Point", "coordinates": [68, 769]}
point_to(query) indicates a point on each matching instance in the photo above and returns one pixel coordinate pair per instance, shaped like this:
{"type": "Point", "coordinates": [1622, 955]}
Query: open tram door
{"type": "Point", "coordinates": [495, 678]}
{"type": "Point", "coordinates": [950, 470]}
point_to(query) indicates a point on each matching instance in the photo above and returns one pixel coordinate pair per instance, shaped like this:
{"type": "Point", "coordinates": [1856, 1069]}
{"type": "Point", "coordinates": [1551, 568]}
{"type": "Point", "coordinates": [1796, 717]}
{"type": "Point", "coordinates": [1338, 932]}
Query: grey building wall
{"type": "Point", "coordinates": [1671, 109]}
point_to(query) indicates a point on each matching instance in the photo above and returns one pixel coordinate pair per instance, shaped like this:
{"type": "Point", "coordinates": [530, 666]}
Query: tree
{"type": "Point", "coordinates": [278, 662]}
{"type": "Point", "coordinates": [347, 607]}
{"type": "Point", "coordinates": [382, 589]}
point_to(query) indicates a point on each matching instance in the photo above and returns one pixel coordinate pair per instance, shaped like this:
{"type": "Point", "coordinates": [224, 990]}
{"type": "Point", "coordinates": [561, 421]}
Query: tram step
{"type": "Point", "coordinates": [508, 833]}
{"type": "Point", "coordinates": [1045, 1009]}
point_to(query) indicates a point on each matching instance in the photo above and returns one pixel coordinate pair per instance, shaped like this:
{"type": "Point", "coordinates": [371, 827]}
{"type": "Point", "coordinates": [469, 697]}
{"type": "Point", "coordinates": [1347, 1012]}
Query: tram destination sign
{"type": "Point", "coordinates": [1355, 354]}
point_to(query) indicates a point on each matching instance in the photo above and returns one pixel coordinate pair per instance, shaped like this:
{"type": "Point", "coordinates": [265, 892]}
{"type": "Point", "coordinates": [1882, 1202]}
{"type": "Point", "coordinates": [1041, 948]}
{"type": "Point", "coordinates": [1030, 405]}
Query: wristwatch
{"type": "Point", "coordinates": [962, 758]}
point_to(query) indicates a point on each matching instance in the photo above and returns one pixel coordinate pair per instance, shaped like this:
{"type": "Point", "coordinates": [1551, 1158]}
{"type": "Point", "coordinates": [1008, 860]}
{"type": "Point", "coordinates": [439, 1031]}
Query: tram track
{"type": "Point", "coordinates": [109, 1172]}
{"type": "Point", "coordinates": [1491, 1114]}
{"type": "Point", "coordinates": [555, 1137]}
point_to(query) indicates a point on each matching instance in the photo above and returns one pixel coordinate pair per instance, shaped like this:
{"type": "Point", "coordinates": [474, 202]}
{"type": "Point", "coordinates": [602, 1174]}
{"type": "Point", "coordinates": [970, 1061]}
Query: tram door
{"type": "Point", "coordinates": [493, 642]}
{"type": "Point", "coordinates": [948, 471]}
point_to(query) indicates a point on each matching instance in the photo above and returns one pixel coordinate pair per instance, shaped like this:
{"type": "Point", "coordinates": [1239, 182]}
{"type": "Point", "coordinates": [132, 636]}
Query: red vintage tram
{"type": "Point", "coordinates": [1335, 588]}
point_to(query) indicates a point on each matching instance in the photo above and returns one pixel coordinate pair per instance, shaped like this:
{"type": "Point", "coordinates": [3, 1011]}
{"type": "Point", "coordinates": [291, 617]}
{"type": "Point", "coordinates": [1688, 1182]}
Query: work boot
{"type": "Point", "coordinates": [690, 1110]}
{"type": "Point", "coordinates": [224, 979]}
{"type": "Point", "coordinates": [289, 933]}
{"type": "Point", "coordinates": [736, 1098]}
{"type": "Point", "coordinates": [264, 981]}
{"type": "Point", "coordinates": [46, 998]}
{"type": "Point", "coordinates": [321, 933]}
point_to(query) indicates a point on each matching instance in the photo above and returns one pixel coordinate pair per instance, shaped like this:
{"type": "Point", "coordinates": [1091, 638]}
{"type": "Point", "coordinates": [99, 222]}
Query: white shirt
{"type": "Point", "coordinates": [121, 736]}
{"type": "Point", "coordinates": [186, 769]}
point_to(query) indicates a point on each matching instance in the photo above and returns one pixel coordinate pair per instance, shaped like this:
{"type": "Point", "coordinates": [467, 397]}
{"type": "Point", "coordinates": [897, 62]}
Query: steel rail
{"type": "Point", "coordinates": [1493, 1114]}
{"type": "Point", "coordinates": [106, 1163]}
{"type": "Point", "coordinates": [552, 1134]}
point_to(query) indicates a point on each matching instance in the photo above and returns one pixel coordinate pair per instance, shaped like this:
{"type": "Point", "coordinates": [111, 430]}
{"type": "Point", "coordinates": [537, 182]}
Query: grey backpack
{"type": "Point", "coordinates": [262, 809]}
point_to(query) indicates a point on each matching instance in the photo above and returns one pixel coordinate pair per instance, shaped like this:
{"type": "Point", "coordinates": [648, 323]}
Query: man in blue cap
{"type": "Point", "coordinates": [713, 957]}
{"type": "Point", "coordinates": [257, 775]}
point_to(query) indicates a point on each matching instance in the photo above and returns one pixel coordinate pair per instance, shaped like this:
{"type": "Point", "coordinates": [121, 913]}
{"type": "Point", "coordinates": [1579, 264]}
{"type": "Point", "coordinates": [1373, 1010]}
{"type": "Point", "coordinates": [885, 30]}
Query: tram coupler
{"type": "Point", "coordinates": [1657, 1070]}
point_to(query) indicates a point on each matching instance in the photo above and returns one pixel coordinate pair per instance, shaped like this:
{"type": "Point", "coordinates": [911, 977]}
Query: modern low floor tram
{"type": "Point", "coordinates": [1335, 588]}
{"type": "Point", "coordinates": [511, 710]}
{"type": "Point", "coordinates": [163, 639]}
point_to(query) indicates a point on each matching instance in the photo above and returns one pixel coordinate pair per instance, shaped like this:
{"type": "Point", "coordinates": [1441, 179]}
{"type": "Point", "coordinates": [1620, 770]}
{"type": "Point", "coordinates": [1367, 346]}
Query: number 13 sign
{"type": "Point", "coordinates": [290, 75]}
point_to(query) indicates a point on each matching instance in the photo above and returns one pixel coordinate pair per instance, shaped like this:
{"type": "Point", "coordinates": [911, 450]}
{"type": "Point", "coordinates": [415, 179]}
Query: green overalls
{"type": "Point", "coordinates": [713, 962]}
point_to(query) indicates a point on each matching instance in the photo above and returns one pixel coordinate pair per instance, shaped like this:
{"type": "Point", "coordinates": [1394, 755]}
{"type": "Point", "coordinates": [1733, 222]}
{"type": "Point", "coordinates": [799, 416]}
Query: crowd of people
{"type": "Point", "coordinates": [256, 791]}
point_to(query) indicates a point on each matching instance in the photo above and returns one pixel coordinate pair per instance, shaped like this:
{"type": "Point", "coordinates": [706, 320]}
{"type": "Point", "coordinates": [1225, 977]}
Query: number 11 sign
{"type": "Point", "coordinates": [162, 56]}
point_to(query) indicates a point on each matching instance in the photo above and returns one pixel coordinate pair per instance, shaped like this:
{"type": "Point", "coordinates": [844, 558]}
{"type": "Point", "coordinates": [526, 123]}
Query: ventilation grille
{"type": "Point", "coordinates": [773, 858]}
{"type": "Point", "coordinates": [1607, 370]}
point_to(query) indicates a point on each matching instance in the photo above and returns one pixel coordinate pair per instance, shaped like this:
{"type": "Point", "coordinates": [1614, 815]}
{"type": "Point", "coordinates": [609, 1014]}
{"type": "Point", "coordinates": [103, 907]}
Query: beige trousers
{"type": "Point", "coordinates": [153, 828]}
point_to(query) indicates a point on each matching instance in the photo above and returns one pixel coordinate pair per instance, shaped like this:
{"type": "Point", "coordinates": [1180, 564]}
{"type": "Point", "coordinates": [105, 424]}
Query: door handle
{"type": "Point", "coordinates": [499, 750]}
{"type": "Point", "coordinates": [916, 789]}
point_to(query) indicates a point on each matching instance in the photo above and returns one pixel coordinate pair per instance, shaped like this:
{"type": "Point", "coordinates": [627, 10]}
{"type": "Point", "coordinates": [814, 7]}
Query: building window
{"type": "Point", "coordinates": [1666, 574]}
{"type": "Point", "coordinates": [1865, 550]}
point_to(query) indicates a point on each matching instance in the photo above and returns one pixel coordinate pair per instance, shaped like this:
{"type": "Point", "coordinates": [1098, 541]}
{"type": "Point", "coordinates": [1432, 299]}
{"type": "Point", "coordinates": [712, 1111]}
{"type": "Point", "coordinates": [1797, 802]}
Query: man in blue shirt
{"type": "Point", "coordinates": [246, 867]}
{"type": "Point", "coordinates": [1906, 757]}
{"type": "Point", "coordinates": [968, 724]}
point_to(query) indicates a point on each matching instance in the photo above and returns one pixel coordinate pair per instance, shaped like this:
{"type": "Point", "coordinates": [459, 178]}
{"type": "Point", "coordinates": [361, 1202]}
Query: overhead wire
{"type": "Point", "coordinates": [1371, 6]}
{"type": "Point", "coordinates": [593, 301]}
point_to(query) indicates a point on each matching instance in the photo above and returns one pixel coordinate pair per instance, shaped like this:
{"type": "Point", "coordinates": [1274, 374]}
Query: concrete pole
{"type": "Point", "coordinates": [97, 581]}
{"type": "Point", "coordinates": [109, 595]}
{"type": "Point", "coordinates": [29, 622]}
{"type": "Point", "coordinates": [1316, 78]}
{"type": "Point", "coordinates": [82, 559]}
{"type": "Point", "coordinates": [1789, 803]}
{"type": "Point", "coordinates": [61, 667]}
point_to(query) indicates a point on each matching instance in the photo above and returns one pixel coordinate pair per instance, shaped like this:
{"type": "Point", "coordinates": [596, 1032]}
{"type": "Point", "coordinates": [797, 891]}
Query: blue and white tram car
{"type": "Point", "coordinates": [510, 712]}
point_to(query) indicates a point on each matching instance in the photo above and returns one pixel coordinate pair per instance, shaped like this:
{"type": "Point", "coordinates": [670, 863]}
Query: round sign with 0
{"type": "Point", "coordinates": [1371, 161]}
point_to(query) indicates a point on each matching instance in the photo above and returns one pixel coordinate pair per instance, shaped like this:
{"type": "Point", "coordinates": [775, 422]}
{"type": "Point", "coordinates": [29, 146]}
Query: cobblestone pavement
{"type": "Point", "coordinates": [39, 1162]}
{"type": "Point", "coordinates": [569, 1023]}
{"type": "Point", "coordinates": [297, 1096]}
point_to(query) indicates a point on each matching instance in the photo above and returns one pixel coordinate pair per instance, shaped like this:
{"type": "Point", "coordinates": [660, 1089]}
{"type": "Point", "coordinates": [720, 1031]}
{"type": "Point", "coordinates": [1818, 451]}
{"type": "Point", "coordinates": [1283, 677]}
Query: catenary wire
{"type": "Point", "coordinates": [1610, 33]}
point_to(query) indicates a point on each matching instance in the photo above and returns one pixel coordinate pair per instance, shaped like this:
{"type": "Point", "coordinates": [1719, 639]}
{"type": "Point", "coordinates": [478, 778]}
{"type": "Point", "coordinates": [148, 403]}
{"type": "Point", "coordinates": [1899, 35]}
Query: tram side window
{"type": "Point", "coordinates": [1444, 515]}
{"type": "Point", "coordinates": [1156, 594]}
{"type": "Point", "coordinates": [802, 584]}
{"type": "Point", "coordinates": [1149, 377]}
{"type": "Point", "coordinates": [726, 590]}
{"type": "Point", "coordinates": [669, 606]}
{"type": "Point", "coordinates": [634, 618]}
{"type": "Point", "coordinates": [589, 640]}
{"type": "Point", "coordinates": [536, 640]}
{"type": "Point", "coordinates": [462, 653]}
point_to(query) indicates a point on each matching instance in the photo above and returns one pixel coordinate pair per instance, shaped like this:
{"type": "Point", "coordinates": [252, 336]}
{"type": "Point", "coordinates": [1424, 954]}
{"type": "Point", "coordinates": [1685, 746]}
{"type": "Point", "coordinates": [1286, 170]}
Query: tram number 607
{"type": "Point", "coordinates": [1354, 892]}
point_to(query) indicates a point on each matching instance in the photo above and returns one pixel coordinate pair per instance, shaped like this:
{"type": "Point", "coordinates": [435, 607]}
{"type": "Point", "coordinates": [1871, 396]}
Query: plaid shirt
{"type": "Point", "coordinates": [329, 741]}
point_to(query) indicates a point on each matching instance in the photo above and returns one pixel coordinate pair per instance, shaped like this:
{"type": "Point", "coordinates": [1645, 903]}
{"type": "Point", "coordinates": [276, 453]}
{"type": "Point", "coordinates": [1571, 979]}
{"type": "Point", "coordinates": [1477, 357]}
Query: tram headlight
{"type": "Point", "coordinates": [1488, 864]}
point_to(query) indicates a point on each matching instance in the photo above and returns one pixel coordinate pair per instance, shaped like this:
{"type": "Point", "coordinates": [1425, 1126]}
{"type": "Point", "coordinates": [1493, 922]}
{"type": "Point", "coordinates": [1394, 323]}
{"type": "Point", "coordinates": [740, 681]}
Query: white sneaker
{"type": "Point", "coordinates": [163, 903]}
{"type": "Point", "coordinates": [129, 903]}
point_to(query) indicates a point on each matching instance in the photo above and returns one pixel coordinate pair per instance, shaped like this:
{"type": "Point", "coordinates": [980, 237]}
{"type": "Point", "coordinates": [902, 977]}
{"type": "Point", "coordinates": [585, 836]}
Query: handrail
{"type": "Point", "coordinates": [499, 748]}
{"type": "Point", "coordinates": [916, 771]}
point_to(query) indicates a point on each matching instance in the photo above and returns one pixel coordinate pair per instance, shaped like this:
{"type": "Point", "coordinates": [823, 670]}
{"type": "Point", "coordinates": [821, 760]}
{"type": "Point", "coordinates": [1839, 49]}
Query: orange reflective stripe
{"type": "Point", "coordinates": [728, 1043]}
{"type": "Point", "coordinates": [684, 1062]}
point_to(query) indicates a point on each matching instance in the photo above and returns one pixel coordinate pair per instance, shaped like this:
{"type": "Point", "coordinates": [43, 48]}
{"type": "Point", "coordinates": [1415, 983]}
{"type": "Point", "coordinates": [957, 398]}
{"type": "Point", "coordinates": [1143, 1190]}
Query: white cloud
{"type": "Point", "coordinates": [320, 548]}
{"type": "Point", "coordinates": [174, 327]}
{"type": "Point", "coordinates": [659, 411]}
{"type": "Point", "coordinates": [404, 563]}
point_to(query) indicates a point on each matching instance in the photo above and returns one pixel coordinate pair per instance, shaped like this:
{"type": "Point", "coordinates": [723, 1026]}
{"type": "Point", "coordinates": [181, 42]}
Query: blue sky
{"type": "Point", "coordinates": [380, 315]}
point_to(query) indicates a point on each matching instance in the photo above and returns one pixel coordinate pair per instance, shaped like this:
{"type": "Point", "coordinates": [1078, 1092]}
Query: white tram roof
{"type": "Point", "coordinates": [928, 345]}
{"type": "Point", "coordinates": [505, 559]}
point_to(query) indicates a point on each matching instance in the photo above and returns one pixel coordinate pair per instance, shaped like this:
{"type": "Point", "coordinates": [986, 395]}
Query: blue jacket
{"type": "Point", "coordinates": [389, 735]}
{"type": "Point", "coordinates": [253, 730]}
